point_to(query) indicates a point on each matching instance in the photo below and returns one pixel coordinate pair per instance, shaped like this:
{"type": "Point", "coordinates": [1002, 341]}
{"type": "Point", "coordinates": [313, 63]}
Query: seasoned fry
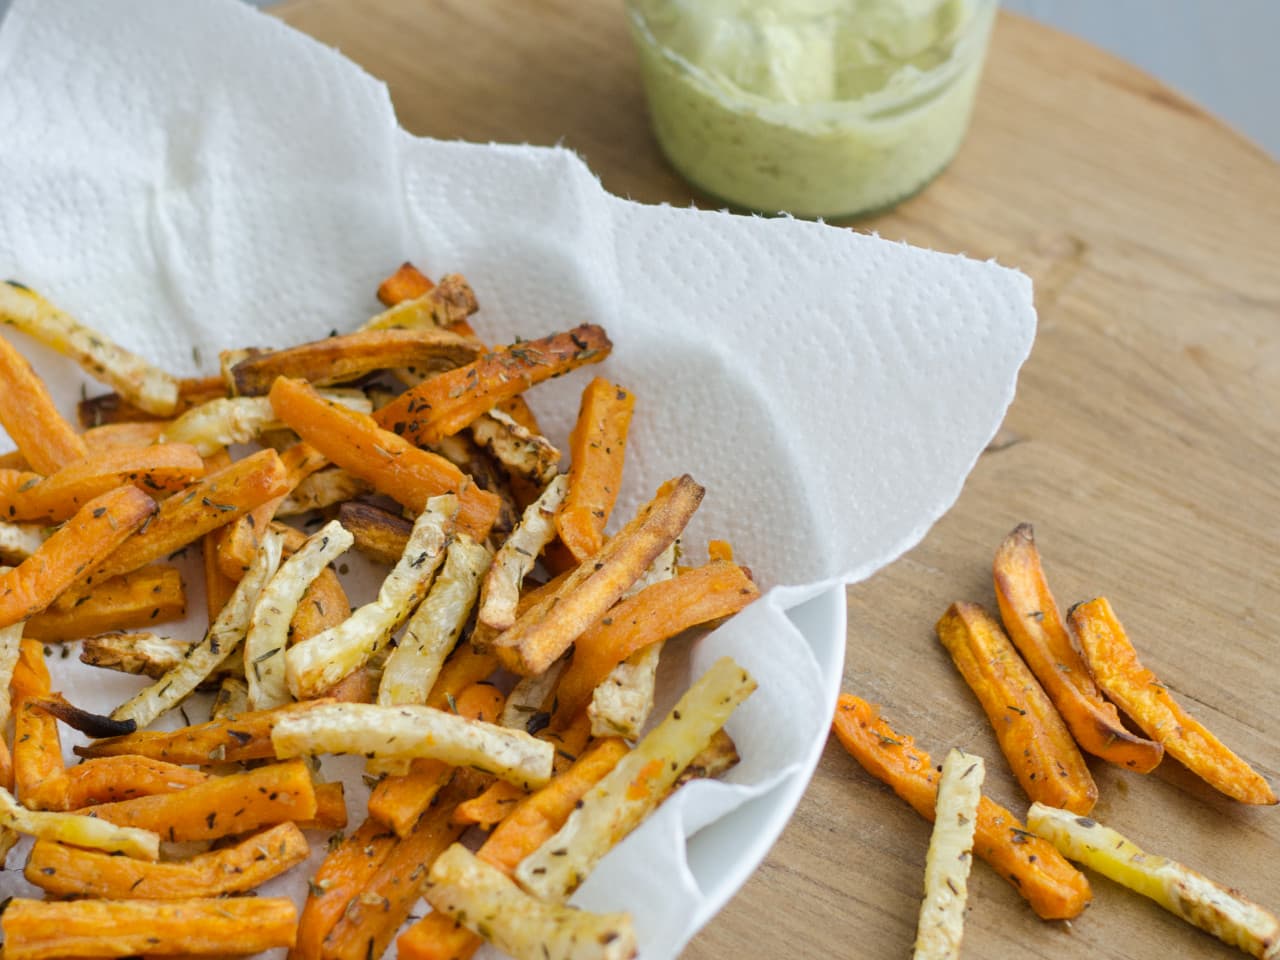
{"type": "Point", "coordinates": [232, 699]}
{"type": "Point", "coordinates": [1054, 889]}
{"type": "Point", "coordinates": [142, 654]}
{"type": "Point", "coordinates": [1116, 667]}
{"type": "Point", "coordinates": [627, 794]}
{"type": "Point", "coordinates": [718, 757]}
{"type": "Point", "coordinates": [414, 731]}
{"type": "Point", "coordinates": [66, 872]}
{"type": "Point", "coordinates": [227, 420]}
{"type": "Point", "coordinates": [485, 471]}
{"type": "Point", "coordinates": [521, 452]}
{"type": "Point", "coordinates": [946, 869]}
{"type": "Point", "coordinates": [154, 470]}
{"type": "Point", "coordinates": [500, 590]}
{"type": "Point", "coordinates": [218, 644]}
{"type": "Point", "coordinates": [407, 283]}
{"type": "Point", "coordinates": [92, 724]}
{"type": "Point", "coordinates": [43, 437]}
{"type": "Point", "coordinates": [148, 596]}
{"type": "Point", "coordinates": [322, 489]}
{"type": "Point", "coordinates": [393, 466]}
{"type": "Point", "coordinates": [77, 830]}
{"type": "Point", "coordinates": [448, 303]}
{"type": "Point", "coordinates": [482, 898]}
{"type": "Point", "coordinates": [19, 541]}
{"type": "Point", "coordinates": [135, 379]}
{"type": "Point", "coordinates": [543, 632]}
{"type": "Point", "coordinates": [1179, 889]}
{"type": "Point", "coordinates": [97, 529]}
{"type": "Point", "coordinates": [1035, 626]}
{"type": "Point", "coordinates": [379, 534]}
{"type": "Point", "coordinates": [331, 807]}
{"type": "Point", "coordinates": [268, 633]}
{"type": "Point", "coordinates": [527, 702]}
{"type": "Point", "coordinates": [220, 806]}
{"type": "Point", "coordinates": [44, 930]}
{"type": "Point", "coordinates": [38, 775]}
{"type": "Point", "coordinates": [109, 410]}
{"type": "Point", "coordinates": [108, 779]}
{"type": "Point", "coordinates": [213, 502]}
{"type": "Point", "coordinates": [10, 651]}
{"type": "Point", "coordinates": [433, 630]}
{"type": "Point", "coordinates": [1032, 736]}
{"type": "Point", "coordinates": [321, 661]}
{"type": "Point", "coordinates": [597, 448]}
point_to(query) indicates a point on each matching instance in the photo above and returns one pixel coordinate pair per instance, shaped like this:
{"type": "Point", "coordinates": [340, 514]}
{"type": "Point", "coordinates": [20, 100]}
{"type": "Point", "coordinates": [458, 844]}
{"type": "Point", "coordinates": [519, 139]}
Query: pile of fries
{"type": "Point", "coordinates": [501, 681]}
{"type": "Point", "coordinates": [1051, 685]}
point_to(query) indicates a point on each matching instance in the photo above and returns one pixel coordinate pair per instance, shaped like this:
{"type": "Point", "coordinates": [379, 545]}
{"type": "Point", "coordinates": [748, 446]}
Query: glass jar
{"type": "Point", "coordinates": [817, 108]}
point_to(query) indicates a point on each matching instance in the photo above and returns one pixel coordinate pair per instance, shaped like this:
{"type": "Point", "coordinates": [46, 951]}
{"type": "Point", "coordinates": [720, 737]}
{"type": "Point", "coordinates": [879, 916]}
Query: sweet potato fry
{"type": "Point", "coordinates": [392, 465]}
{"type": "Point", "coordinates": [221, 806]}
{"type": "Point", "coordinates": [44, 930]}
{"type": "Point", "coordinates": [407, 283]}
{"type": "Point", "coordinates": [1033, 738]}
{"type": "Point", "coordinates": [43, 437]}
{"type": "Point", "coordinates": [108, 779]}
{"type": "Point", "coordinates": [38, 775]}
{"type": "Point", "coordinates": [130, 434]}
{"type": "Point", "coordinates": [155, 470]}
{"type": "Point", "coordinates": [444, 404]}
{"type": "Point", "coordinates": [446, 304]}
{"type": "Point", "coordinates": [146, 597]}
{"type": "Point", "coordinates": [68, 872]}
{"type": "Point", "coordinates": [331, 807]}
{"type": "Point", "coordinates": [597, 448]}
{"type": "Point", "coordinates": [111, 409]}
{"type": "Point", "coordinates": [1053, 888]}
{"type": "Point", "coordinates": [379, 534]}
{"type": "Point", "coordinates": [658, 612]}
{"type": "Point", "coordinates": [1116, 667]}
{"type": "Point", "coordinates": [1035, 626]}
{"type": "Point", "coordinates": [214, 501]}
{"type": "Point", "coordinates": [88, 539]}
{"type": "Point", "coordinates": [78, 830]}
{"type": "Point", "coordinates": [546, 630]}
{"type": "Point", "coordinates": [218, 587]}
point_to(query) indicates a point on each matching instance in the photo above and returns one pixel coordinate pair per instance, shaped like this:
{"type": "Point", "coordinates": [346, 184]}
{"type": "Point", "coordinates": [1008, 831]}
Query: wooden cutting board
{"type": "Point", "coordinates": [1144, 442]}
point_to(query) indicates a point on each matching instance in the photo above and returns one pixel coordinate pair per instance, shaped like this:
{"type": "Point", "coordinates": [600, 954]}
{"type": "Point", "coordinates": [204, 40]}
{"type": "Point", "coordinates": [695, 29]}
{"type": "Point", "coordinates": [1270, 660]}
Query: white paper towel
{"type": "Point", "coordinates": [196, 175]}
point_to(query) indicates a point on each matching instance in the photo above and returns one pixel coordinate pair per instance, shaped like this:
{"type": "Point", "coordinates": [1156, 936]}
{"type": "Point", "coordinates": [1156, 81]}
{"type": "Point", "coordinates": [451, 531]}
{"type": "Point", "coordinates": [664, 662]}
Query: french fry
{"type": "Point", "coordinates": [85, 721]}
{"type": "Point", "coordinates": [148, 596]}
{"type": "Point", "coordinates": [108, 779]}
{"type": "Point", "coordinates": [212, 502]}
{"type": "Point", "coordinates": [445, 304]}
{"type": "Point", "coordinates": [379, 534]}
{"type": "Point", "coordinates": [45, 930]}
{"type": "Point", "coordinates": [597, 448]}
{"type": "Point", "coordinates": [1035, 626]}
{"type": "Point", "coordinates": [323, 606]}
{"type": "Point", "coordinates": [448, 402]}
{"type": "Point", "coordinates": [136, 380]}
{"type": "Point", "coordinates": [321, 661]}
{"type": "Point", "coordinates": [486, 901]}
{"type": "Point", "coordinates": [521, 452]}
{"type": "Point", "coordinates": [1030, 732]}
{"type": "Point", "coordinates": [91, 535]}
{"type": "Point", "coordinates": [218, 587]}
{"type": "Point", "coordinates": [68, 872]}
{"type": "Point", "coordinates": [659, 611]}
{"type": "Point", "coordinates": [390, 464]}
{"type": "Point", "coordinates": [946, 869]}
{"type": "Point", "coordinates": [227, 420]}
{"type": "Point", "coordinates": [219, 643]}
{"type": "Point", "coordinates": [38, 776]}
{"type": "Point", "coordinates": [485, 471]}
{"type": "Point", "coordinates": [433, 630]}
{"type": "Point", "coordinates": [716, 758]}
{"type": "Point", "coordinates": [407, 283]}
{"type": "Point", "coordinates": [500, 589]}
{"type": "Point", "coordinates": [543, 632]}
{"type": "Point", "coordinates": [268, 632]}
{"type": "Point", "coordinates": [154, 470]}
{"type": "Point", "coordinates": [1179, 889]}
{"type": "Point", "coordinates": [633, 788]}
{"type": "Point", "coordinates": [128, 435]}
{"type": "Point", "coordinates": [43, 437]}
{"type": "Point", "coordinates": [10, 651]}
{"type": "Point", "coordinates": [109, 410]}
{"type": "Point", "coordinates": [1052, 887]}
{"type": "Point", "coordinates": [331, 807]}
{"type": "Point", "coordinates": [322, 489]}
{"type": "Point", "coordinates": [231, 700]}
{"type": "Point", "coordinates": [1116, 667]}
{"type": "Point", "coordinates": [78, 830]}
{"type": "Point", "coordinates": [19, 541]}
{"type": "Point", "coordinates": [142, 654]}
{"type": "Point", "coordinates": [220, 806]}
{"type": "Point", "coordinates": [529, 698]}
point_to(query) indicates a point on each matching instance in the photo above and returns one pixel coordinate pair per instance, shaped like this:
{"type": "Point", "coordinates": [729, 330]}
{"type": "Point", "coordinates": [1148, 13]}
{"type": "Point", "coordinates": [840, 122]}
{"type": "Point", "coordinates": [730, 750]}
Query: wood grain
{"type": "Point", "coordinates": [1144, 442]}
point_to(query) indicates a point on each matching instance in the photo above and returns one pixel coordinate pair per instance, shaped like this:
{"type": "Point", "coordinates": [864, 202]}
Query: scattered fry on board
{"type": "Point", "coordinates": [946, 869]}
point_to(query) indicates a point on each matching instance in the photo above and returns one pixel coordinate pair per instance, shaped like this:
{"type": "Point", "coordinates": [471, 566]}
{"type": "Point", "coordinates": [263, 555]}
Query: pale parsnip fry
{"type": "Point", "coordinates": [450, 301]}
{"type": "Point", "coordinates": [433, 630]}
{"type": "Point", "coordinates": [142, 654]}
{"type": "Point", "coordinates": [640, 781]}
{"type": "Point", "coordinates": [946, 868]}
{"type": "Point", "coordinates": [227, 420]}
{"type": "Point", "coordinates": [315, 664]}
{"type": "Point", "coordinates": [10, 648]}
{"type": "Point", "coordinates": [500, 591]}
{"type": "Point", "coordinates": [1179, 889]}
{"type": "Point", "coordinates": [482, 898]}
{"type": "Point", "coordinates": [409, 731]}
{"type": "Point", "coordinates": [268, 634]}
{"type": "Point", "coordinates": [525, 704]}
{"type": "Point", "coordinates": [135, 379]}
{"type": "Point", "coordinates": [232, 699]}
{"type": "Point", "coordinates": [19, 541]}
{"type": "Point", "coordinates": [78, 830]}
{"type": "Point", "coordinates": [719, 757]}
{"type": "Point", "coordinates": [322, 489]}
{"type": "Point", "coordinates": [521, 451]}
{"type": "Point", "coordinates": [218, 644]}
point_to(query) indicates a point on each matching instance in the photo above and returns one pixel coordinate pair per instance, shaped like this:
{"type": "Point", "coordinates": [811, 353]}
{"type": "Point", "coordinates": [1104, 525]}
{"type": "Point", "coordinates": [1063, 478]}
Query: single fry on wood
{"type": "Point", "coordinates": [148, 596]}
{"type": "Point", "coordinates": [1031, 734]}
{"type": "Point", "coordinates": [78, 830]}
{"type": "Point", "coordinates": [597, 448]}
{"type": "Point", "coordinates": [500, 590]}
{"type": "Point", "coordinates": [946, 869]}
{"type": "Point", "coordinates": [1143, 697]}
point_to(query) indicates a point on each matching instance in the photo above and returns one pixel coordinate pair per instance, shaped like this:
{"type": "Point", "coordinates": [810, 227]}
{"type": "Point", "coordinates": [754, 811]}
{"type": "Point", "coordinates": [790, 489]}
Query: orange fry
{"type": "Point", "coordinates": [123, 436]}
{"type": "Point", "coordinates": [597, 447]}
{"type": "Point", "coordinates": [407, 283]}
{"type": "Point", "coordinates": [1143, 697]}
{"type": "Point", "coordinates": [146, 597]}
{"type": "Point", "coordinates": [1031, 735]}
{"type": "Point", "coordinates": [38, 774]}
{"type": "Point", "coordinates": [108, 779]}
{"type": "Point", "coordinates": [44, 438]}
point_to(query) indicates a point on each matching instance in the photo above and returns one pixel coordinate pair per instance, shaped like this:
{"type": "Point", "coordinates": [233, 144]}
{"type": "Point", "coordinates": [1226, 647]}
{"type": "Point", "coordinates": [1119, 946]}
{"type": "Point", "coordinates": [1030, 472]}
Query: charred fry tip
{"type": "Point", "coordinates": [92, 724]}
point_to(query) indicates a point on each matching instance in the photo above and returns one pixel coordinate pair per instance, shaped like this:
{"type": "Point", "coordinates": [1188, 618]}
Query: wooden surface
{"type": "Point", "coordinates": [1144, 442]}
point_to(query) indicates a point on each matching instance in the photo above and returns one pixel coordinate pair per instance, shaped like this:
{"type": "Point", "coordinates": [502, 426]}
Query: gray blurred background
{"type": "Point", "coordinates": [1219, 53]}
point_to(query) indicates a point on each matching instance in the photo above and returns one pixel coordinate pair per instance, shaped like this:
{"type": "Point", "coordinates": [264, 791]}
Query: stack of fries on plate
{"type": "Point", "coordinates": [495, 685]}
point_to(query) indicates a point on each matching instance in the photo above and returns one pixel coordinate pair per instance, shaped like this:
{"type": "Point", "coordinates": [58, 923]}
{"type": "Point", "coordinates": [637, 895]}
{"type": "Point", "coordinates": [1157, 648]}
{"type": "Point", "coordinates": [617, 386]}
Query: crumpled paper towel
{"type": "Point", "coordinates": [189, 176]}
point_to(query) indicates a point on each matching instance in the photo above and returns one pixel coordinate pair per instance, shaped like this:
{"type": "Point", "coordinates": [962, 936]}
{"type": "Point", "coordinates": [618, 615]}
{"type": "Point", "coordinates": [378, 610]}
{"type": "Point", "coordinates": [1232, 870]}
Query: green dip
{"type": "Point", "coordinates": [818, 108]}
